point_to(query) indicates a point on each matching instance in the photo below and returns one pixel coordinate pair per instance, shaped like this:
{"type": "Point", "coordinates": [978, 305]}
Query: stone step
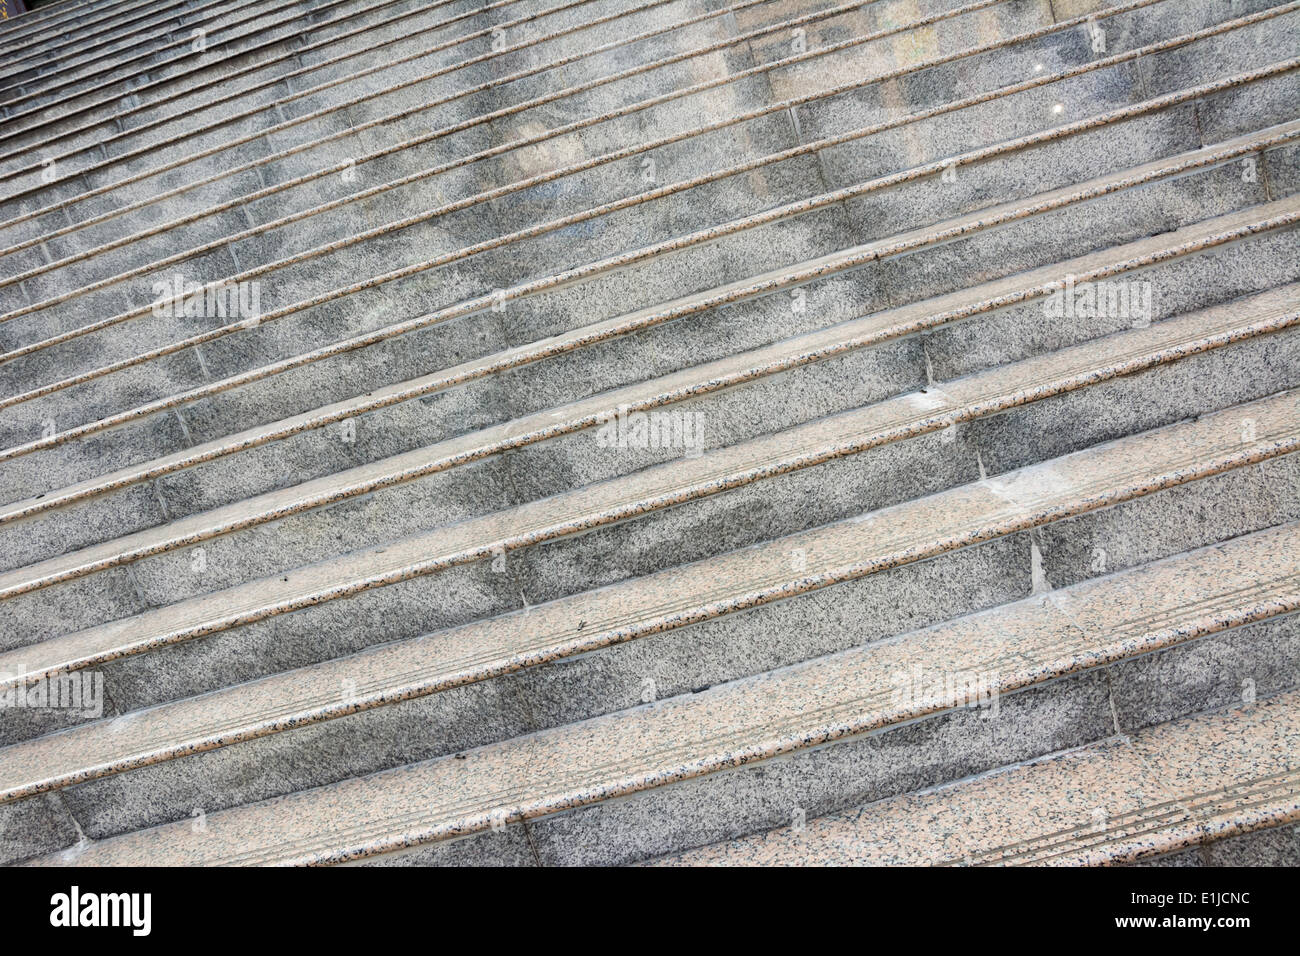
{"type": "Point", "coordinates": [1183, 784]}
{"type": "Point", "coordinates": [828, 368]}
{"type": "Point", "coordinates": [1009, 236]}
{"type": "Point", "coordinates": [747, 722]}
{"type": "Point", "coordinates": [88, 282]}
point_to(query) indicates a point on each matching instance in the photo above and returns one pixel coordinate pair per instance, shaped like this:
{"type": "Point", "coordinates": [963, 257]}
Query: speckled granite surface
{"type": "Point", "coordinates": [481, 651]}
{"type": "Point", "coordinates": [1177, 785]}
{"type": "Point", "coordinates": [362, 584]}
{"type": "Point", "coordinates": [1093, 479]}
{"type": "Point", "coordinates": [866, 331]}
{"type": "Point", "coordinates": [734, 724]}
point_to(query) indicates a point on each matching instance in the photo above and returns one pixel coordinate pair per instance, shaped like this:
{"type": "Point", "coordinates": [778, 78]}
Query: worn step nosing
{"type": "Point", "coordinates": [833, 263]}
{"type": "Point", "coordinates": [1005, 509]}
{"type": "Point", "coordinates": [866, 331]}
{"type": "Point", "coordinates": [798, 207]}
{"type": "Point", "coordinates": [537, 775]}
{"type": "Point", "coordinates": [945, 404]}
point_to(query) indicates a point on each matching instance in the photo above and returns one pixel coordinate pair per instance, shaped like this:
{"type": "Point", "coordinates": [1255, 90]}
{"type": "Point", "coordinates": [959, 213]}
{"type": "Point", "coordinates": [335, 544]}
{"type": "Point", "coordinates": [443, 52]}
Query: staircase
{"type": "Point", "coordinates": [552, 432]}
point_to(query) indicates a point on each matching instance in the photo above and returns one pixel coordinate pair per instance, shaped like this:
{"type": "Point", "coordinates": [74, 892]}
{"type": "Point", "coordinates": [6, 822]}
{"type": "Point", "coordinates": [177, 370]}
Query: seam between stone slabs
{"type": "Point", "coordinates": [424, 554]}
{"type": "Point", "coordinates": [1100, 360]}
{"type": "Point", "coordinates": [1090, 267]}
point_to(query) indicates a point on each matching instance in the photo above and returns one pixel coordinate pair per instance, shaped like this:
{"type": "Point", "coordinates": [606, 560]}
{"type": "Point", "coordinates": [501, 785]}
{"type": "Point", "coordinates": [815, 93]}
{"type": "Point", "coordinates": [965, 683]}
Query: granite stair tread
{"type": "Point", "coordinates": [1176, 785]}
{"type": "Point", "coordinates": [802, 706]}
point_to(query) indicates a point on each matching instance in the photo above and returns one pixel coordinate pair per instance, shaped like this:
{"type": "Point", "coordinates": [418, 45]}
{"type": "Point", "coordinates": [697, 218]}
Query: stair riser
{"type": "Point", "coordinates": [196, 107]}
{"type": "Point", "coordinates": [831, 386]}
{"type": "Point", "coordinates": [34, 827]}
{"type": "Point", "coordinates": [745, 516]}
{"type": "Point", "coordinates": [168, 43]}
{"type": "Point", "coordinates": [1023, 244]}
